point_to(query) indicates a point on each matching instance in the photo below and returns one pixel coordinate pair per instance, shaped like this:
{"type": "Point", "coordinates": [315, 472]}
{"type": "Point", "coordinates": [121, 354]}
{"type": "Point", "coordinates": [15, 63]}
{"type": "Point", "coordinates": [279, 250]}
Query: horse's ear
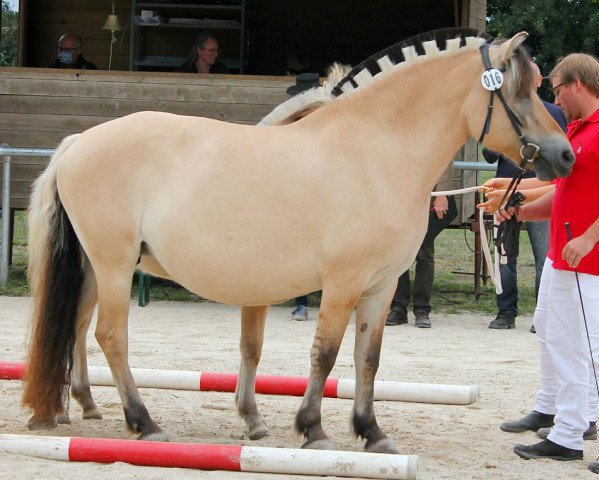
{"type": "Point", "coordinates": [505, 51]}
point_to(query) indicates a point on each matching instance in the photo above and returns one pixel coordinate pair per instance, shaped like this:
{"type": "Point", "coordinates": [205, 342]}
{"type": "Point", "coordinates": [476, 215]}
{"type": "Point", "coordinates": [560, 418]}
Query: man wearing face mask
{"type": "Point", "coordinates": [69, 53]}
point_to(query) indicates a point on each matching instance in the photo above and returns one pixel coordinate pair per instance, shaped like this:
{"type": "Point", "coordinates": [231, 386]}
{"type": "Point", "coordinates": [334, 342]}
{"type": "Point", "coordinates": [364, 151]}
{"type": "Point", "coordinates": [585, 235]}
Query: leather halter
{"type": "Point", "coordinates": [528, 152]}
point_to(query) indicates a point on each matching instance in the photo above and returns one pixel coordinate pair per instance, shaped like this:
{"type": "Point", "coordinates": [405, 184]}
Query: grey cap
{"type": "Point", "coordinates": [304, 81]}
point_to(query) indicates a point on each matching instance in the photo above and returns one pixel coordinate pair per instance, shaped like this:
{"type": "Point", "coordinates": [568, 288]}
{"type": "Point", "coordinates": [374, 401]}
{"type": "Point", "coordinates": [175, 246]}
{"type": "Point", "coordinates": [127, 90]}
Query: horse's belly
{"type": "Point", "coordinates": [227, 274]}
{"type": "Point", "coordinates": [235, 286]}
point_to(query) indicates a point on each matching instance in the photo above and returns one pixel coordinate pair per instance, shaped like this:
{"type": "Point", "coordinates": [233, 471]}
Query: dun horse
{"type": "Point", "coordinates": [255, 215]}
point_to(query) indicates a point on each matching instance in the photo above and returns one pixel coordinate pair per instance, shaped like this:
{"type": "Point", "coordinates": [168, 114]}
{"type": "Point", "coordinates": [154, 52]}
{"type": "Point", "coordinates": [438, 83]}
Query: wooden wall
{"type": "Point", "coordinates": [474, 15]}
{"type": "Point", "coordinates": [477, 14]}
{"type": "Point", "coordinates": [38, 107]}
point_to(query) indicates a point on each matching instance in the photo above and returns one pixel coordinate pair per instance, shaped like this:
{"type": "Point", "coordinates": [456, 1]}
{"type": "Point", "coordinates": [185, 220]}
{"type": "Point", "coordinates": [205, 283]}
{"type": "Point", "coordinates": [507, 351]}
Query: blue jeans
{"type": "Point", "coordinates": [303, 300]}
{"type": "Point", "coordinates": [538, 232]}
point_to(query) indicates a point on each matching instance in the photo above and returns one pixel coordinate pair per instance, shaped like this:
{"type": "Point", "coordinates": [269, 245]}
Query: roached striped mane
{"type": "Point", "coordinates": [341, 79]}
{"type": "Point", "coordinates": [404, 53]}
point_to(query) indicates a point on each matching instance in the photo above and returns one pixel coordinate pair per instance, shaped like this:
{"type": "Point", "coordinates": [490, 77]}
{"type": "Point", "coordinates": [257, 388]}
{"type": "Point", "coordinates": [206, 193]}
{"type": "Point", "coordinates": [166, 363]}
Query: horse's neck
{"type": "Point", "coordinates": [417, 117]}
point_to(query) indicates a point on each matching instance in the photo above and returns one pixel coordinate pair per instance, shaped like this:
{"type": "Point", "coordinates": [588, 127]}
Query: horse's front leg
{"type": "Point", "coordinates": [114, 290]}
{"type": "Point", "coordinates": [335, 311]}
{"type": "Point", "coordinates": [250, 345]}
{"type": "Point", "coordinates": [371, 312]}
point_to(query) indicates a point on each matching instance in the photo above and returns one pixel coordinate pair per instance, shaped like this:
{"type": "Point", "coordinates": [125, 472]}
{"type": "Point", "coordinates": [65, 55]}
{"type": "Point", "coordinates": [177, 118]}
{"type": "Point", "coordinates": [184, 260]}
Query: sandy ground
{"type": "Point", "coordinates": [453, 442]}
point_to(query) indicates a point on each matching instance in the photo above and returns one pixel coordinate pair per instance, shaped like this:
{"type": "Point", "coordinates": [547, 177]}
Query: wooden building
{"type": "Point", "coordinates": [39, 106]}
{"type": "Point", "coordinates": [333, 30]}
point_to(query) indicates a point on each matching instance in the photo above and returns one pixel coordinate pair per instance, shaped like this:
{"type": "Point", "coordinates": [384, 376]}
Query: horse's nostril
{"type": "Point", "coordinates": [568, 156]}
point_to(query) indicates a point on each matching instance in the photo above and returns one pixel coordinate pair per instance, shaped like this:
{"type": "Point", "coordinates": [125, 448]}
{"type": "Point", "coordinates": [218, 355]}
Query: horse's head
{"type": "Point", "coordinates": [518, 123]}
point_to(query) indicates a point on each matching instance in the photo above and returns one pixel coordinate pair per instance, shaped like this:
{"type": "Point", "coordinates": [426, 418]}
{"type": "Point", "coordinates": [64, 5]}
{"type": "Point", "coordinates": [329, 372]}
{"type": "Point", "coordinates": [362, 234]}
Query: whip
{"type": "Point", "coordinates": [584, 317]}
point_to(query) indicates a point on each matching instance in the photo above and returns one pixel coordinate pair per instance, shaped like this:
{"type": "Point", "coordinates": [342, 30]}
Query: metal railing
{"type": "Point", "coordinates": [7, 152]}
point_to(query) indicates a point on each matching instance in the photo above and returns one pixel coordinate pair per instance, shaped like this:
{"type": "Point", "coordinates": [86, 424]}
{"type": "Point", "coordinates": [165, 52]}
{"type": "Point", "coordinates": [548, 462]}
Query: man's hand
{"type": "Point", "coordinates": [491, 205]}
{"type": "Point", "coordinates": [497, 183]}
{"type": "Point", "coordinates": [502, 214]}
{"type": "Point", "coordinates": [576, 249]}
{"type": "Point", "coordinates": [440, 206]}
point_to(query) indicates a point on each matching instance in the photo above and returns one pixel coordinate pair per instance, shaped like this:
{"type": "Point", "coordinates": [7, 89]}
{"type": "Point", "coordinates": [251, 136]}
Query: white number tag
{"type": "Point", "coordinates": [492, 79]}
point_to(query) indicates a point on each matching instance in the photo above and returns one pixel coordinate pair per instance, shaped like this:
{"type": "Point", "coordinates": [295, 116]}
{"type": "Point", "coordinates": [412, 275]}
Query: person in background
{"type": "Point", "coordinates": [538, 233]}
{"type": "Point", "coordinates": [567, 313]}
{"type": "Point", "coordinates": [443, 211]}
{"type": "Point", "coordinates": [69, 53]}
{"type": "Point", "coordinates": [203, 57]}
{"type": "Point", "coordinates": [297, 63]}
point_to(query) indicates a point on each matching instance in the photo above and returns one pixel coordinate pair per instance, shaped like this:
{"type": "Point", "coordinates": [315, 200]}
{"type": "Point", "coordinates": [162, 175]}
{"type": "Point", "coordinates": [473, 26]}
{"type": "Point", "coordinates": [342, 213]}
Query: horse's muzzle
{"type": "Point", "coordinates": [561, 167]}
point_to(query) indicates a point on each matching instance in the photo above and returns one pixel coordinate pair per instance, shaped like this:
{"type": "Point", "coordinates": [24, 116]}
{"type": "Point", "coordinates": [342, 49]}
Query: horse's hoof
{"type": "Point", "coordinates": [385, 445]}
{"type": "Point", "coordinates": [63, 419]}
{"type": "Point", "coordinates": [38, 423]}
{"type": "Point", "coordinates": [159, 436]}
{"type": "Point", "coordinates": [323, 444]}
{"type": "Point", "coordinates": [92, 414]}
{"type": "Point", "coordinates": [258, 433]}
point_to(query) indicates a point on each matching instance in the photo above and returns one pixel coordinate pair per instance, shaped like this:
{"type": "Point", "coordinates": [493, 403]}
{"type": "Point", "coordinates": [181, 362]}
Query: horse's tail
{"type": "Point", "coordinates": [55, 274]}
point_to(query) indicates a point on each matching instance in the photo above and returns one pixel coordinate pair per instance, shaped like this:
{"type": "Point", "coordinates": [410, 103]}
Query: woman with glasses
{"type": "Point", "coordinates": [203, 57]}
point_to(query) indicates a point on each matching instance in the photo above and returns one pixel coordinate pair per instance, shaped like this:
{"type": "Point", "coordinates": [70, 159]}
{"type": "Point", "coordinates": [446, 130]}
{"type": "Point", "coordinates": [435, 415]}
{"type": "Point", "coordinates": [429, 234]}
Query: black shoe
{"type": "Point", "coordinates": [594, 466]}
{"type": "Point", "coordinates": [422, 320]}
{"type": "Point", "coordinates": [533, 421]}
{"type": "Point", "coordinates": [533, 329]}
{"type": "Point", "coordinates": [589, 434]}
{"type": "Point", "coordinates": [503, 321]}
{"type": "Point", "coordinates": [396, 317]}
{"type": "Point", "coordinates": [547, 449]}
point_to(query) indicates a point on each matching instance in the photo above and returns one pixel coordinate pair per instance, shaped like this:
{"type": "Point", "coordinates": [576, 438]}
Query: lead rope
{"type": "Point", "coordinates": [492, 267]}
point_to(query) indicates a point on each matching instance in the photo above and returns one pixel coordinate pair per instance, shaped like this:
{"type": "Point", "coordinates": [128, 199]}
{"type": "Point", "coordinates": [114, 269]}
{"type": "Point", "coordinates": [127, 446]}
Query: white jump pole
{"type": "Point", "coordinates": [214, 457]}
{"type": "Point", "coordinates": [272, 384]}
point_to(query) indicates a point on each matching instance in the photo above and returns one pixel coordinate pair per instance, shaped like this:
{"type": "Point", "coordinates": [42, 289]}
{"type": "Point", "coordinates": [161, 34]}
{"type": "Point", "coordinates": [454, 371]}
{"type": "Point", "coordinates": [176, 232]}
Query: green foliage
{"type": "Point", "coordinates": [9, 36]}
{"type": "Point", "coordinates": [17, 273]}
{"type": "Point", "coordinates": [556, 28]}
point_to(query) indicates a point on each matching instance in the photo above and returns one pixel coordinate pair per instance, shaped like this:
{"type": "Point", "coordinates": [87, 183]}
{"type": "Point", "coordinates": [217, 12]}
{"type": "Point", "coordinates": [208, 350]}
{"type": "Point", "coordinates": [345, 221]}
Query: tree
{"type": "Point", "coordinates": [9, 36]}
{"type": "Point", "coordinates": [555, 27]}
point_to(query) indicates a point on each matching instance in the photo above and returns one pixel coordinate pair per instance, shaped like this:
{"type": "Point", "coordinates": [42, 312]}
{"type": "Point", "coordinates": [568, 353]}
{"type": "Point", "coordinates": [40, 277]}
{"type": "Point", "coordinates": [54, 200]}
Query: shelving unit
{"type": "Point", "coordinates": [164, 45]}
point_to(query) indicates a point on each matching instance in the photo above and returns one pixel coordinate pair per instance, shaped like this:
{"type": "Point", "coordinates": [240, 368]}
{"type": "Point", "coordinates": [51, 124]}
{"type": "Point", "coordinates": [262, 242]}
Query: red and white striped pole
{"type": "Point", "coordinates": [214, 457]}
{"type": "Point", "coordinates": [272, 384]}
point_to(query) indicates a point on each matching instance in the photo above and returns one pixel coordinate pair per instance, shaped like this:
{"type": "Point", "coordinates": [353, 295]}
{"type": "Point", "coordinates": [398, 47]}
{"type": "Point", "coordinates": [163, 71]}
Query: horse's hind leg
{"type": "Point", "coordinates": [335, 311]}
{"type": "Point", "coordinates": [252, 337]}
{"type": "Point", "coordinates": [80, 389]}
{"type": "Point", "coordinates": [370, 320]}
{"type": "Point", "coordinates": [114, 291]}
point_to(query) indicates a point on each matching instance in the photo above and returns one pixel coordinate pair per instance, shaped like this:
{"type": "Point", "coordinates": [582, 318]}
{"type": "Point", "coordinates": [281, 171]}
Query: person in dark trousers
{"type": "Point", "coordinates": [443, 211]}
{"type": "Point", "coordinates": [69, 53]}
{"type": "Point", "coordinates": [538, 233]}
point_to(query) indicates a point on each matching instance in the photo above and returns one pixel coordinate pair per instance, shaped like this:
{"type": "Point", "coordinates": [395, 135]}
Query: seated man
{"type": "Point", "coordinates": [69, 53]}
